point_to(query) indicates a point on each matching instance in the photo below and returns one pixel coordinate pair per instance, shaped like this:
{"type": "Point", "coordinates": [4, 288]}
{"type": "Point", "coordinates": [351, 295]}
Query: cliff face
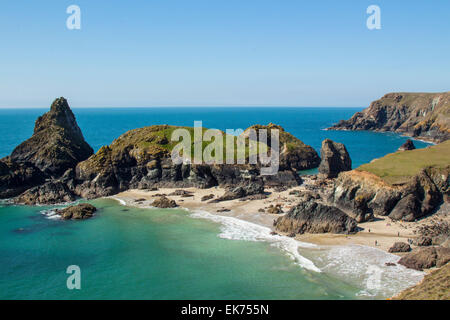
{"type": "Point", "coordinates": [405, 185]}
{"type": "Point", "coordinates": [141, 158]}
{"type": "Point", "coordinates": [421, 115]}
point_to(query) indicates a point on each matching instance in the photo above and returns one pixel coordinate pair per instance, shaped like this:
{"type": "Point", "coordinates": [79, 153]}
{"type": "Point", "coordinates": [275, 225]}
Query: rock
{"type": "Point", "coordinates": [390, 264]}
{"type": "Point", "coordinates": [15, 177]}
{"type": "Point", "coordinates": [314, 217]}
{"type": "Point", "coordinates": [244, 190]}
{"type": "Point", "coordinates": [164, 202]}
{"type": "Point", "coordinates": [180, 193]}
{"type": "Point", "coordinates": [49, 193]}
{"type": "Point", "coordinates": [207, 197]}
{"type": "Point", "coordinates": [408, 145]}
{"type": "Point", "coordinates": [423, 241]}
{"type": "Point", "coordinates": [57, 143]}
{"type": "Point", "coordinates": [425, 258]}
{"type": "Point", "coordinates": [294, 154]}
{"type": "Point", "coordinates": [422, 115]}
{"type": "Point", "coordinates": [273, 233]}
{"type": "Point", "coordinates": [335, 159]}
{"type": "Point", "coordinates": [223, 210]}
{"type": "Point", "coordinates": [400, 247]}
{"type": "Point", "coordinates": [274, 209]}
{"type": "Point", "coordinates": [78, 212]}
{"type": "Point", "coordinates": [261, 210]}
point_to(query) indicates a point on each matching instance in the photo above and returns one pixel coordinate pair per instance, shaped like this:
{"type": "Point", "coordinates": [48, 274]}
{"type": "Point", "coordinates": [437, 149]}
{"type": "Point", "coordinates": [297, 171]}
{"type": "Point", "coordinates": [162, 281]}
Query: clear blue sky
{"type": "Point", "coordinates": [220, 52]}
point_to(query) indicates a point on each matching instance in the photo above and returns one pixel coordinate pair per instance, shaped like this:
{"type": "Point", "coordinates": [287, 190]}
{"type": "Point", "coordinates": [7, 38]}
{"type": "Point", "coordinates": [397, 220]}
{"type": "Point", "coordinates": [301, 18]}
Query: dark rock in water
{"type": "Point", "coordinates": [314, 217]}
{"type": "Point", "coordinates": [164, 202]}
{"type": "Point", "coordinates": [249, 189]}
{"type": "Point", "coordinates": [57, 143]}
{"type": "Point", "coordinates": [78, 212]}
{"type": "Point", "coordinates": [408, 145]}
{"type": "Point", "coordinates": [423, 115]}
{"type": "Point", "coordinates": [335, 159]}
{"type": "Point", "coordinates": [400, 247]}
{"type": "Point", "coordinates": [425, 258]}
{"type": "Point", "coordinates": [207, 197]}
{"type": "Point", "coordinates": [223, 210]}
{"type": "Point", "coordinates": [50, 193]}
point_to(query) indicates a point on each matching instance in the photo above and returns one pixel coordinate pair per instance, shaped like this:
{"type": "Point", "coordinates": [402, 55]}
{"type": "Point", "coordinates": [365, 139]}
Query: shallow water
{"type": "Point", "coordinates": [132, 253]}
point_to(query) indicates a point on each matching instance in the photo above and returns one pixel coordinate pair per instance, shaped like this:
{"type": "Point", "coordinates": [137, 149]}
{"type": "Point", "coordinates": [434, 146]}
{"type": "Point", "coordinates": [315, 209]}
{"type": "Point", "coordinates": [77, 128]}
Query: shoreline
{"type": "Point", "coordinates": [384, 231]}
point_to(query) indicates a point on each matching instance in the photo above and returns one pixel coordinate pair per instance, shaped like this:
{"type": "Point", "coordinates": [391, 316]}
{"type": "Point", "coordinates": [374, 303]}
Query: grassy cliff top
{"type": "Point", "coordinates": [400, 166]}
{"type": "Point", "coordinates": [435, 286]}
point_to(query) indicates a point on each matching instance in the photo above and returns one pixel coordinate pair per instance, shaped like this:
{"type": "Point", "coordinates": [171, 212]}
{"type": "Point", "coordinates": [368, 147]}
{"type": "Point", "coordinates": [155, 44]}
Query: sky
{"type": "Point", "coordinates": [220, 52]}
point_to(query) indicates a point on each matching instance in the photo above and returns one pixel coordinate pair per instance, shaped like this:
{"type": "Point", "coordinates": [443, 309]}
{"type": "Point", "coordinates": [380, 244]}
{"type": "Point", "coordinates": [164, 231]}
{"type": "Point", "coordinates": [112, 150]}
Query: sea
{"type": "Point", "coordinates": [125, 252]}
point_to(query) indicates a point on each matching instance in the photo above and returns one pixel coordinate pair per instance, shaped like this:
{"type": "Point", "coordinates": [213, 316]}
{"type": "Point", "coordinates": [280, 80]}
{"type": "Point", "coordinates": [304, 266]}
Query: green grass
{"type": "Point", "coordinates": [399, 167]}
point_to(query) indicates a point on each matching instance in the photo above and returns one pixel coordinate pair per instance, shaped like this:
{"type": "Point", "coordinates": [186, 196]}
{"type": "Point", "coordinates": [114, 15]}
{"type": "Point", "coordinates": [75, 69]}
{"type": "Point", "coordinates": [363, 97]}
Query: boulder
{"type": "Point", "coordinates": [207, 197]}
{"type": "Point", "coordinates": [408, 145]}
{"type": "Point", "coordinates": [425, 258]}
{"type": "Point", "coordinates": [244, 190]}
{"type": "Point", "coordinates": [79, 212]}
{"type": "Point", "coordinates": [400, 247]}
{"type": "Point", "coordinates": [335, 159]}
{"type": "Point", "coordinates": [164, 202]}
{"type": "Point", "coordinates": [314, 217]}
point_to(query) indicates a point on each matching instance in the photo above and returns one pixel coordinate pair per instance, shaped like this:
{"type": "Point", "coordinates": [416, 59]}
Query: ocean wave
{"type": "Point", "coordinates": [50, 214]}
{"type": "Point", "coordinates": [366, 267]}
{"type": "Point", "coordinates": [236, 229]}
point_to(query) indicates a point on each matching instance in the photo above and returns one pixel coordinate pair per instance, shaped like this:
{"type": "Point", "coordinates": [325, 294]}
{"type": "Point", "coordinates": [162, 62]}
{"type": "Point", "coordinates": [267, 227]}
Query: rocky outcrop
{"type": "Point", "coordinates": [40, 169]}
{"type": "Point", "coordinates": [57, 143]}
{"type": "Point", "coordinates": [79, 212]}
{"type": "Point", "coordinates": [408, 145]}
{"type": "Point", "coordinates": [141, 159]}
{"type": "Point", "coordinates": [294, 154]}
{"type": "Point", "coordinates": [51, 192]}
{"type": "Point", "coordinates": [400, 247]}
{"type": "Point", "coordinates": [425, 258]}
{"type": "Point", "coordinates": [422, 115]}
{"type": "Point", "coordinates": [335, 159]}
{"type": "Point", "coordinates": [314, 217]}
{"type": "Point", "coordinates": [164, 202]}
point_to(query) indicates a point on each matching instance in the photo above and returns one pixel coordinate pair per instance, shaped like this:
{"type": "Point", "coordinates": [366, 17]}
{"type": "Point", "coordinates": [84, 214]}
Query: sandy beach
{"type": "Point", "coordinates": [381, 233]}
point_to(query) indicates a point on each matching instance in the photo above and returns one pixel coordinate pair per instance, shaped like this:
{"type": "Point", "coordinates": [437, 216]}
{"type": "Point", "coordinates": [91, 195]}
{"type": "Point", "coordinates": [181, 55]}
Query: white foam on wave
{"type": "Point", "coordinates": [366, 266]}
{"type": "Point", "coordinates": [50, 214]}
{"type": "Point", "coordinates": [121, 201]}
{"type": "Point", "coordinates": [236, 229]}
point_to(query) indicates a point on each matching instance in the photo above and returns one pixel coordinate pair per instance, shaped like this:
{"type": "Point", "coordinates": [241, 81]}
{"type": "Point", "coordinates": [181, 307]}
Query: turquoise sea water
{"type": "Point", "coordinates": [131, 253]}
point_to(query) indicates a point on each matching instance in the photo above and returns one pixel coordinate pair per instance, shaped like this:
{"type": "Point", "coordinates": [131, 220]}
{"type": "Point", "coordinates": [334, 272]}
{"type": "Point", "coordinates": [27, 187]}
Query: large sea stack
{"type": "Point", "coordinates": [42, 167]}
